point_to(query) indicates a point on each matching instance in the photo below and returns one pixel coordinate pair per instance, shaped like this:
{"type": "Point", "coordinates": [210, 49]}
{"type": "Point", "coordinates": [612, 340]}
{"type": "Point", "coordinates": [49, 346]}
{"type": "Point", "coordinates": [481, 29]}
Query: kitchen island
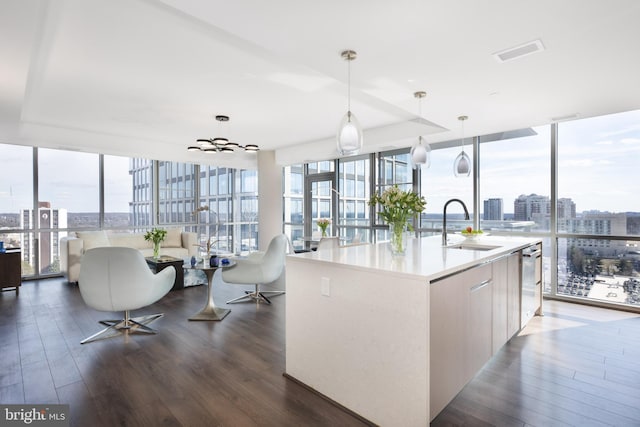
{"type": "Point", "coordinates": [393, 339]}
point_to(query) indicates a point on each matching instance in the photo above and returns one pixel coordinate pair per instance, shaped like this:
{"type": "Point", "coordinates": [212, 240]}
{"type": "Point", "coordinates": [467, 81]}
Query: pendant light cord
{"type": "Point", "coordinates": [462, 119]}
{"type": "Point", "coordinates": [349, 85]}
{"type": "Point", "coordinates": [462, 137]}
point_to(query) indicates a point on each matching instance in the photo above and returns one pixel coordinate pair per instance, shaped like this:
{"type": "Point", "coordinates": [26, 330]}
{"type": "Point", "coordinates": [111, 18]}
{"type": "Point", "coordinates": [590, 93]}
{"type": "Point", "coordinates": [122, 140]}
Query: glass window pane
{"type": "Point", "coordinates": [598, 175]}
{"type": "Point", "coordinates": [16, 202]}
{"type": "Point", "coordinates": [176, 192]}
{"type": "Point", "coordinates": [248, 181]}
{"type": "Point", "coordinates": [72, 192]}
{"type": "Point", "coordinates": [320, 167]}
{"type": "Point", "coordinates": [118, 192]}
{"type": "Point", "coordinates": [69, 197]}
{"type": "Point", "coordinates": [24, 241]}
{"type": "Point", "coordinates": [223, 181]}
{"type": "Point", "coordinates": [393, 169]}
{"type": "Point", "coordinates": [353, 195]}
{"type": "Point", "coordinates": [439, 184]}
{"type": "Point", "coordinates": [599, 269]}
{"type": "Point", "coordinates": [515, 181]}
{"type": "Point", "coordinates": [16, 186]}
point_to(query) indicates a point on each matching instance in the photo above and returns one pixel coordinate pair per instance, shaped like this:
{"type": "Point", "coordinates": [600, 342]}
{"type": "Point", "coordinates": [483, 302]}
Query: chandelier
{"type": "Point", "coordinates": [219, 144]}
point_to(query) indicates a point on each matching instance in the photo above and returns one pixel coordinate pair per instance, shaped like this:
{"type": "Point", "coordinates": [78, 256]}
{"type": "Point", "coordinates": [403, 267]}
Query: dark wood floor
{"type": "Point", "coordinates": [575, 366]}
{"type": "Point", "coordinates": [226, 373]}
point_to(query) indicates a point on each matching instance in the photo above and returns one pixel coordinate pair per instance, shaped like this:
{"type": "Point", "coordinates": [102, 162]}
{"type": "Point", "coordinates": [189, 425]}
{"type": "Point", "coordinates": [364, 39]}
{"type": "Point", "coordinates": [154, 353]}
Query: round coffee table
{"type": "Point", "coordinates": [210, 310]}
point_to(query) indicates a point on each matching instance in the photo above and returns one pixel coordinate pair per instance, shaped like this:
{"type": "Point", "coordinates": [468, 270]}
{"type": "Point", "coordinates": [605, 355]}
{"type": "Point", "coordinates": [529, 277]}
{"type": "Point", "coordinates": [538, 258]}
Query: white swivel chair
{"type": "Point", "coordinates": [328, 243]}
{"type": "Point", "coordinates": [259, 268]}
{"type": "Point", "coordinates": [119, 279]}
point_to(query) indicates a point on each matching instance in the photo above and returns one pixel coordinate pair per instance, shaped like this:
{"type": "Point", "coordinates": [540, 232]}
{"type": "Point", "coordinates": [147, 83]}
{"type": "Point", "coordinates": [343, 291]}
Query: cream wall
{"type": "Point", "coordinates": [269, 198]}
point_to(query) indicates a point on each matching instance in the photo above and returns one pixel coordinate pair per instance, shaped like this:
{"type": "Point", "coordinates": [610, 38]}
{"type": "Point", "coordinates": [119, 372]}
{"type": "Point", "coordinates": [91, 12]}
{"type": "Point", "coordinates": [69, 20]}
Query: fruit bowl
{"type": "Point", "coordinates": [471, 237]}
{"type": "Point", "coordinates": [471, 234]}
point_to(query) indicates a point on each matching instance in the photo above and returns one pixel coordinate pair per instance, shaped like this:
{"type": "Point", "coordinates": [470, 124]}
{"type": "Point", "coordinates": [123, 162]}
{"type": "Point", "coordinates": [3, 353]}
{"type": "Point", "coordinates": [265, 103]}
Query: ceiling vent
{"type": "Point", "coordinates": [519, 51]}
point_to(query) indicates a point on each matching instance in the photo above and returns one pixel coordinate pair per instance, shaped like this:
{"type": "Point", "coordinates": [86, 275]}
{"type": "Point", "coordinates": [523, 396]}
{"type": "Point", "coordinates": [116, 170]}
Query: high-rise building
{"type": "Point", "coordinates": [141, 205]}
{"type": "Point", "coordinates": [49, 220]}
{"type": "Point", "coordinates": [222, 202]}
{"type": "Point", "coordinates": [566, 209]}
{"type": "Point", "coordinates": [531, 207]}
{"type": "Point", "coordinates": [597, 223]}
{"type": "Point", "coordinates": [493, 210]}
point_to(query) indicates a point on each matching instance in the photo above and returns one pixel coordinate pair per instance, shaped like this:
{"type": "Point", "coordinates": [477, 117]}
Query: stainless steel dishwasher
{"type": "Point", "coordinates": [531, 282]}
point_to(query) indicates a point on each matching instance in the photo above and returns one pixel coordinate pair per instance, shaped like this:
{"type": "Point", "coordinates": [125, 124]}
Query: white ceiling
{"type": "Point", "coordinates": [146, 77]}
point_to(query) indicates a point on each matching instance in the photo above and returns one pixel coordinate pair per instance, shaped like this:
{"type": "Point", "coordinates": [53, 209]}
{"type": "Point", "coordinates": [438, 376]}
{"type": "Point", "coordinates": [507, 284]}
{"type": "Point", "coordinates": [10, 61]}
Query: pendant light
{"type": "Point", "coordinates": [420, 153]}
{"type": "Point", "coordinates": [349, 137]}
{"type": "Point", "coordinates": [462, 164]}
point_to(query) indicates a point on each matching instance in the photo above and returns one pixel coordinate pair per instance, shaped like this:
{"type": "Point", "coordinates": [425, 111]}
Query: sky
{"type": "Point", "coordinates": [67, 179]}
{"type": "Point", "coordinates": [598, 167]}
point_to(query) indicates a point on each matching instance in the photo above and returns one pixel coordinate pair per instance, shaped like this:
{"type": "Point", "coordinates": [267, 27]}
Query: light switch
{"type": "Point", "coordinates": [325, 286]}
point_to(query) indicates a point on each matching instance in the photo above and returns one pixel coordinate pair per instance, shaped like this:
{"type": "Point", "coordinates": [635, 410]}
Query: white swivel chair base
{"type": "Point", "coordinates": [257, 295]}
{"type": "Point", "coordinates": [126, 325]}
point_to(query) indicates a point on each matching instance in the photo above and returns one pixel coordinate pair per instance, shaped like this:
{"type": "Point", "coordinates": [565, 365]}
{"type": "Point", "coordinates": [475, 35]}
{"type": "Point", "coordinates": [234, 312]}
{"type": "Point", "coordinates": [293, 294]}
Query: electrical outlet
{"type": "Point", "coordinates": [325, 286]}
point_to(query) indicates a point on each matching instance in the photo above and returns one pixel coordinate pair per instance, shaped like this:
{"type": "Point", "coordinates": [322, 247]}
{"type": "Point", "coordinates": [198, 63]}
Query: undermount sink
{"type": "Point", "coordinates": [473, 247]}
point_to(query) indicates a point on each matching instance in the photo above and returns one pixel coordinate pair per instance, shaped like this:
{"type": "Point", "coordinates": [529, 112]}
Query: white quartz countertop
{"type": "Point", "coordinates": [425, 257]}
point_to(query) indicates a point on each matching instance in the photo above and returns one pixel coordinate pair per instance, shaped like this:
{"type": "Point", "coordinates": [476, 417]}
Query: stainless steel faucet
{"type": "Point", "coordinates": [444, 218]}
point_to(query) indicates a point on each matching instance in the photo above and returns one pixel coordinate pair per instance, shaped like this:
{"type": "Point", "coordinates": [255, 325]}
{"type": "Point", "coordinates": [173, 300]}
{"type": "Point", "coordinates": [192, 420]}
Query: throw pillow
{"type": "Point", "coordinates": [173, 239]}
{"type": "Point", "coordinates": [93, 239]}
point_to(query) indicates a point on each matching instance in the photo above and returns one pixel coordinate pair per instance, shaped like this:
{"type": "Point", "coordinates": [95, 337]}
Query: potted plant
{"type": "Point", "coordinates": [397, 209]}
{"type": "Point", "coordinates": [156, 235]}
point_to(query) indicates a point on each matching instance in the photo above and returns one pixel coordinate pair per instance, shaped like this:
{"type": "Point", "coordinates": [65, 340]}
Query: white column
{"type": "Point", "coordinates": [269, 198]}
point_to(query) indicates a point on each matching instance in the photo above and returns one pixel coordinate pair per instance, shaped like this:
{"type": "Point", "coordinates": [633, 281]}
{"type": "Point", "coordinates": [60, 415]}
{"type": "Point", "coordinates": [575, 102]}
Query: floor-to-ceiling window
{"type": "Point", "coordinates": [176, 189]}
{"type": "Point", "coordinates": [16, 202]}
{"type": "Point", "coordinates": [118, 194]}
{"type": "Point", "coordinates": [515, 186]}
{"type": "Point", "coordinates": [584, 209]}
{"type": "Point", "coordinates": [354, 191]}
{"type": "Point", "coordinates": [141, 171]}
{"type": "Point", "coordinates": [68, 198]}
{"type": "Point", "coordinates": [438, 184]}
{"type": "Point", "coordinates": [293, 204]}
{"type": "Point", "coordinates": [227, 213]}
{"type": "Point", "coordinates": [246, 198]}
{"type": "Point", "coordinates": [598, 208]}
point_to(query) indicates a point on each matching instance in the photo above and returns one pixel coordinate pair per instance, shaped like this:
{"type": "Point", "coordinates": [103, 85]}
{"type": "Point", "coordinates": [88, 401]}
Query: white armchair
{"type": "Point", "coordinates": [259, 269]}
{"type": "Point", "coordinates": [119, 279]}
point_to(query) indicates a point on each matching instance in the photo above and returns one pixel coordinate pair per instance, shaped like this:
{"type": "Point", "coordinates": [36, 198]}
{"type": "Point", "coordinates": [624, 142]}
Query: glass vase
{"type": "Point", "coordinates": [324, 231]}
{"type": "Point", "coordinates": [156, 250]}
{"type": "Point", "coordinates": [398, 237]}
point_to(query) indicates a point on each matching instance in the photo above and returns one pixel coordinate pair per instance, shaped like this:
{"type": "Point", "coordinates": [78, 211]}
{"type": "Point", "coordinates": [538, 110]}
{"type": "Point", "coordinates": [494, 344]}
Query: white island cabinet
{"type": "Point", "coordinates": [394, 339]}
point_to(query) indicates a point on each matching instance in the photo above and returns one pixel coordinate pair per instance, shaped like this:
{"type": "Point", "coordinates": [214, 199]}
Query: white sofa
{"type": "Point", "coordinates": [177, 243]}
